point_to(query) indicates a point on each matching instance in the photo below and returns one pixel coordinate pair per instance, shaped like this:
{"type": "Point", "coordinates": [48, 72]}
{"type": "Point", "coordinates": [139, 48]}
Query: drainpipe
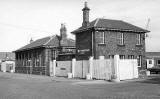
{"type": "Point", "coordinates": [92, 45]}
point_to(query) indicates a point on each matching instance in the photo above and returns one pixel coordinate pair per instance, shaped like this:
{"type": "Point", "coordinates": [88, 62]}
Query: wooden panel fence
{"type": "Point", "coordinates": [81, 69]}
{"type": "Point", "coordinates": [105, 69]}
{"type": "Point", "coordinates": [102, 69]}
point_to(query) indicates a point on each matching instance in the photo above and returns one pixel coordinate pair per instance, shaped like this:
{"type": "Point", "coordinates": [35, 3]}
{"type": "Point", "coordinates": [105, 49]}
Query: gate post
{"type": "Point", "coordinates": [116, 66]}
{"type": "Point", "coordinates": [73, 67]}
{"type": "Point", "coordinates": [54, 67]}
{"type": "Point", "coordinates": [91, 67]}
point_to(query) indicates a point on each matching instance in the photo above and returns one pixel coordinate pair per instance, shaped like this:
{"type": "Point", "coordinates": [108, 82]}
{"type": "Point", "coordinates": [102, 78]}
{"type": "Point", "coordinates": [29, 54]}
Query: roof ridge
{"type": "Point", "coordinates": [51, 37]}
{"type": "Point", "coordinates": [38, 39]}
{"type": "Point", "coordinates": [96, 21]}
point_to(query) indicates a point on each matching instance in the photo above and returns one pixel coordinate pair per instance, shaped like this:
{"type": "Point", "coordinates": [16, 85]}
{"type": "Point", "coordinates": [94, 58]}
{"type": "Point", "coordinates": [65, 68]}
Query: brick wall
{"type": "Point", "coordinates": [111, 46]}
{"type": "Point", "coordinates": [83, 42]}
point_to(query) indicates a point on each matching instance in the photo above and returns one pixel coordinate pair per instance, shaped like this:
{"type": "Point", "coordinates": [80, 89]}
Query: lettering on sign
{"type": "Point", "coordinates": [83, 51]}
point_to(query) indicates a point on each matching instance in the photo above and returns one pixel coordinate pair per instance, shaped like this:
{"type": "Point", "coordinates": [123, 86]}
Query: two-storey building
{"type": "Point", "coordinates": [106, 37]}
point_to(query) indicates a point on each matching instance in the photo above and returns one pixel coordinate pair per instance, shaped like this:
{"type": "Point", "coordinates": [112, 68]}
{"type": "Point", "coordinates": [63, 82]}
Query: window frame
{"type": "Point", "coordinates": [101, 37]}
{"type": "Point", "coordinates": [158, 62]}
{"type": "Point", "coordinates": [150, 61]}
{"type": "Point", "coordinates": [139, 60]}
{"type": "Point", "coordinates": [111, 56]}
{"type": "Point", "coordinates": [122, 56]}
{"type": "Point", "coordinates": [138, 38]}
{"type": "Point", "coordinates": [121, 38]}
{"type": "Point", "coordinates": [131, 57]}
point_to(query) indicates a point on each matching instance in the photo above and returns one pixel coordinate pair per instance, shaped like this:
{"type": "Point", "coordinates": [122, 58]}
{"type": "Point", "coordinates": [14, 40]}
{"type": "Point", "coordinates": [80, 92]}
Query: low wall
{"type": "Point", "coordinates": [31, 70]}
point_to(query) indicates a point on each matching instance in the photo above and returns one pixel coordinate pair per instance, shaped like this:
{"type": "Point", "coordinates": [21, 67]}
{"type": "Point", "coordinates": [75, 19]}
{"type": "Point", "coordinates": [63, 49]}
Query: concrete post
{"type": "Point", "coordinates": [73, 67]}
{"type": "Point", "coordinates": [54, 67]}
{"type": "Point", "coordinates": [116, 66]}
{"type": "Point", "coordinates": [3, 66]}
{"type": "Point", "coordinates": [91, 67]}
{"type": "Point", "coordinates": [50, 68]}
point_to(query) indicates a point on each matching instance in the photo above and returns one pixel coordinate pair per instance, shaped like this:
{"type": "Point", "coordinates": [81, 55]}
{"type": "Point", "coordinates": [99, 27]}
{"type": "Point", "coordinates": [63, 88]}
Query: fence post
{"type": "Point", "coordinates": [91, 67]}
{"type": "Point", "coordinates": [54, 67]}
{"type": "Point", "coordinates": [116, 66]}
{"type": "Point", "coordinates": [73, 67]}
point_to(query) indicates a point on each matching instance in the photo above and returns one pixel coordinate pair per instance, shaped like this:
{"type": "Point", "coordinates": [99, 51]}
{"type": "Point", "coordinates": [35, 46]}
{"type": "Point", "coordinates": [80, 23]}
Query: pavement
{"type": "Point", "coordinates": [44, 78]}
{"type": "Point", "coordinates": [24, 86]}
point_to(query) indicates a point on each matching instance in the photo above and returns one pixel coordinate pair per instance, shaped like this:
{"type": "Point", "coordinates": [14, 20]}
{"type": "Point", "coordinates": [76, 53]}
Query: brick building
{"type": "Point", "coordinates": [35, 57]}
{"type": "Point", "coordinates": [105, 37]}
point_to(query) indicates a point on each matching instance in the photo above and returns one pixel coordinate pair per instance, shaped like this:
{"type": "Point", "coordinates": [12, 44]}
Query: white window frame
{"type": "Point", "coordinates": [130, 56]}
{"type": "Point", "coordinates": [157, 62]}
{"type": "Point", "coordinates": [111, 56]}
{"type": "Point", "coordinates": [149, 61]}
{"type": "Point", "coordinates": [139, 60]}
{"type": "Point", "coordinates": [121, 38]}
{"type": "Point", "coordinates": [102, 37]}
{"type": "Point", "coordinates": [122, 56]}
{"type": "Point", "coordinates": [138, 39]}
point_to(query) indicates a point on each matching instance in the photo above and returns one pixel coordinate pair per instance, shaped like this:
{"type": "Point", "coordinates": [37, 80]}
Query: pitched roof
{"type": "Point", "coordinates": [7, 55]}
{"type": "Point", "coordinates": [152, 54]}
{"type": "Point", "coordinates": [46, 41]}
{"type": "Point", "coordinates": [67, 42]}
{"type": "Point", "coordinates": [112, 25]}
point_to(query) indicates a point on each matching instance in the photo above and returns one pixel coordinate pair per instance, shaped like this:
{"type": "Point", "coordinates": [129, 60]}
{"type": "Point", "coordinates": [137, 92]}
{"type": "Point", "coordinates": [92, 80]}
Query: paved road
{"type": "Point", "coordinates": [22, 86]}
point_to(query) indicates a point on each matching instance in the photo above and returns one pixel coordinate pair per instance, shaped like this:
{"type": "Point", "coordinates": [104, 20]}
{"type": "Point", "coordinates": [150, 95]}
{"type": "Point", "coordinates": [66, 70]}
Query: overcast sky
{"type": "Point", "coordinates": [22, 19]}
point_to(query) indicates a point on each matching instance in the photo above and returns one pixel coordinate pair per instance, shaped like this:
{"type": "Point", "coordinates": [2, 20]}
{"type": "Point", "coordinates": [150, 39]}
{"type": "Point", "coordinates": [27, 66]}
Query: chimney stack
{"type": "Point", "coordinates": [85, 15]}
{"type": "Point", "coordinates": [31, 40]}
{"type": "Point", "coordinates": [63, 31]}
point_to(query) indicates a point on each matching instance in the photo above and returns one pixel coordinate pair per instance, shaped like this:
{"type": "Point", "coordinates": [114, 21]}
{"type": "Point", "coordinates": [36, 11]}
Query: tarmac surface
{"type": "Point", "coordinates": [24, 86]}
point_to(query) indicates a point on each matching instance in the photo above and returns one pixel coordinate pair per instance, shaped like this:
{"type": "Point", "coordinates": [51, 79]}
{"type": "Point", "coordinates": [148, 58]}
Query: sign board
{"type": "Point", "coordinates": [83, 51]}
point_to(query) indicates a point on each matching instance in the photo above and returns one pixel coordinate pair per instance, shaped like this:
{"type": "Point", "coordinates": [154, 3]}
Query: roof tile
{"type": "Point", "coordinates": [47, 41]}
{"type": "Point", "coordinates": [112, 24]}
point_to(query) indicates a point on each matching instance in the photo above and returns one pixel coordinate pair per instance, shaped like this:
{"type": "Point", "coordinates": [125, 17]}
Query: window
{"type": "Point", "coordinates": [111, 56]}
{"type": "Point", "coordinates": [150, 61]}
{"type": "Point", "coordinates": [158, 62]}
{"type": "Point", "coordinates": [138, 39]}
{"type": "Point", "coordinates": [139, 58]}
{"type": "Point", "coordinates": [121, 39]}
{"type": "Point", "coordinates": [130, 56]}
{"type": "Point", "coordinates": [122, 56]}
{"type": "Point", "coordinates": [101, 37]}
{"type": "Point", "coordinates": [37, 62]}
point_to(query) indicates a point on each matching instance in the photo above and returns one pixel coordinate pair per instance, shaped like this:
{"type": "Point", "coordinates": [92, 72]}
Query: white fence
{"type": "Point", "coordinates": [102, 69]}
{"type": "Point", "coordinates": [97, 69]}
{"type": "Point", "coordinates": [128, 69]}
